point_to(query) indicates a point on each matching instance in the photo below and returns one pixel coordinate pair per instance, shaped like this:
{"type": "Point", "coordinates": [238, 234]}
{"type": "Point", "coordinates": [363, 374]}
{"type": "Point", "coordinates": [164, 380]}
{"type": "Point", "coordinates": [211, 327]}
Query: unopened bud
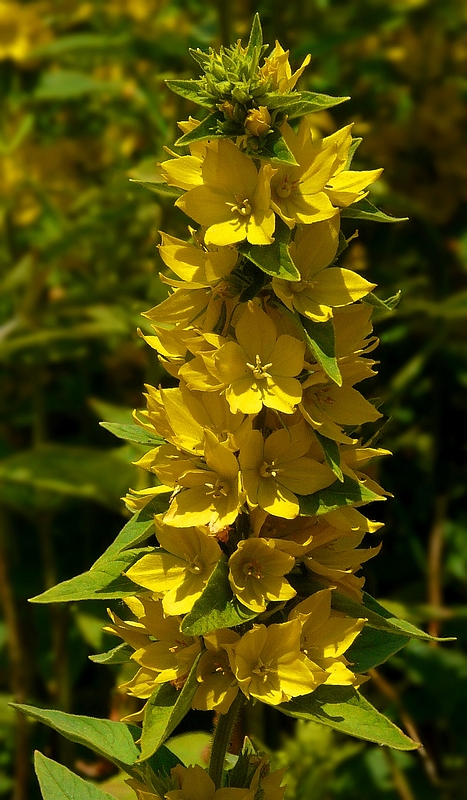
{"type": "Point", "coordinates": [258, 121]}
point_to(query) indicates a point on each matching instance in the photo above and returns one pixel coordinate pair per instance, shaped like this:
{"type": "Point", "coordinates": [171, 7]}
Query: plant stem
{"type": "Point", "coordinates": [221, 740]}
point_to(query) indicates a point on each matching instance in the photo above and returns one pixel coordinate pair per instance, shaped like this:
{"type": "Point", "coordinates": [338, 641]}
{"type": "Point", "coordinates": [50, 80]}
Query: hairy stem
{"type": "Point", "coordinates": [221, 740]}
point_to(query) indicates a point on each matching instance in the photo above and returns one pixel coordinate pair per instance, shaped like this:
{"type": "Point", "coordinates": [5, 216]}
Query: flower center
{"type": "Point", "coordinates": [196, 566]}
{"type": "Point", "coordinates": [323, 396]}
{"type": "Point", "coordinates": [252, 570]}
{"type": "Point", "coordinates": [258, 369]}
{"type": "Point", "coordinates": [262, 670]}
{"type": "Point", "coordinates": [242, 208]}
{"type": "Point", "coordinates": [218, 489]}
{"type": "Point", "coordinates": [287, 187]}
{"type": "Point", "coordinates": [269, 470]}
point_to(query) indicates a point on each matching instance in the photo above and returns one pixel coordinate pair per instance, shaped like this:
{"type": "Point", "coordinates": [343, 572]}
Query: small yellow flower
{"type": "Point", "coordinates": [320, 290]}
{"type": "Point", "coordinates": [258, 121]}
{"type": "Point", "coordinates": [274, 471]}
{"type": "Point", "coordinates": [233, 202]}
{"type": "Point", "coordinates": [326, 407]}
{"type": "Point", "coordinates": [162, 651]}
{"type": "Point", "coordinates": [268, 664]}
{"type": "Point", "coordinates": [208, 496]}
{"type": "Point", "coordinates": [180, 574]}
{"type": "Point", "coordinates": [260, 367]}
{"type": "Point", "coordinates": [256, 573]}
{"type": "Point", "coordinates": [326, 635]}
{"type": "Point", "coordinates": [277, 69]}
{"type": "Point", "coordinates": [218, 686]}
{"type": "Point", "coordinates": [195, 784]}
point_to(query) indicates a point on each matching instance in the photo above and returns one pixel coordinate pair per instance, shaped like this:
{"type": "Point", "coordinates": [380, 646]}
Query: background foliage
{"type": "Point", "coordinates": [85, 107]}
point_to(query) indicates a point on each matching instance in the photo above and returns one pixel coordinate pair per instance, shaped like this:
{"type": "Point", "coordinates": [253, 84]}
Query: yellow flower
{"type": "Point", "coordinates": [299, 193]}
{"type": "Point", "coordinates": [256, 573]}
{"type": "Point", "coordinates": [194, 265]}
{"type": "Point", "coordinates": [326, 635]}
{"type": "Point", "coordinates": [268, 664]}
{"type": "Point", "coordinates": [258, 121]}
{"type": "Point", "coordinates": [319, 290]}
{"type": "Point", "coordinates": [218, 686]}
{"type": "Point", "coordinates": [162, 651]}
{"type": "Point", "coordinates": [195, 784]}
{"type": "Point", "coordinates": [334, 555]}
{"type": "Point", "coordinates": [181, 573]}
{"type": "Point", "coordinates": [265, 784]}
{"type": "Point", "coordinates": [208, 496]}
{"type": "Point", "coordinates": [190, 414]}
{"type": "Point", "coordinates": [234, 201]}
{"type": "Point", "coordinates": [277, 69]}
{"type": "Point", "coordinates": [274, 471]}
{"type": "Point", "coordinates": [259, 368]}
{"type": "Point", "coordinates": [326, 407]}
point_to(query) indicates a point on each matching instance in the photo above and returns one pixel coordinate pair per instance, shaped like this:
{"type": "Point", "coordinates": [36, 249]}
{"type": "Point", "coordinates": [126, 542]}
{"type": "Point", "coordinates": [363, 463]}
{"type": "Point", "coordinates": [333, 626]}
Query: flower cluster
{"type": "Point", "coordinates": [258, 451]}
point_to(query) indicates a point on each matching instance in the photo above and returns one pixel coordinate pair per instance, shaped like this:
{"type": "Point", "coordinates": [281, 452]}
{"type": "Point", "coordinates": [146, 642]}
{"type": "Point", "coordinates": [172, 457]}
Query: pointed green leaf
{"type": "Point", "coordinates": [138, 528]}
{"type": "Point", "coordinates": [331, 454]}
{"type": "Point", "coordinates": [373, 647]}
{"type": "Point", "coordinates": [191, 90]}
{"type": "Point", "coordinates": [273, 259]}
{"type": "Point", "coordinates": [104, 581]}
{"type": "Point", "coordinates": [345, 710]}
{"type": "Point", "coordinates": [311, 102]}
{"type": "Point", "coordinates": [352, 150]}
{"type": "Point", "coordinates": [112, 740]}
{"type": "Point", "coordinates": [59, 783]}
{"type": "Point", "coordinates": [66, 84]}
{"type": "Point", "coordinates": [208, 128]}
{"type": "Point", "coordinates": [217, 607]}
{"type": "Point", "coordinates": [255, 45]}
{"type": "Point", "coordinates": [320, 339]}
{"type": "Point", "coordinates": [385, 305]}
{"type": "Point", "coordinates": [120, 654]}
{"type": "Point", "coordinates": [366, 210]}
{"type": "Point", "coordinates": [380, 618]}
{"type": "Point", "coordinates": [347, 493]}
{"type": "Point", "coordinates": [273, 147]}
{"type": "Point", "coordinates": [163, 761]}
{"type": "Point", "coordinates": [297, 104]}
{"type": "Point", "coordinates": [133, 433]}
{"type": "Point", "coordinates": [164, 710]}
{"type": "Point", "coordinates": [161, 189]}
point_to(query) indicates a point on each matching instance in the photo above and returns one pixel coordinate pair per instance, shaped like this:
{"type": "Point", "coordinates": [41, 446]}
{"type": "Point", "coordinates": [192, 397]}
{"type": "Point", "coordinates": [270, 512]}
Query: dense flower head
{"type": "Point", "coordinates": [257, 452]}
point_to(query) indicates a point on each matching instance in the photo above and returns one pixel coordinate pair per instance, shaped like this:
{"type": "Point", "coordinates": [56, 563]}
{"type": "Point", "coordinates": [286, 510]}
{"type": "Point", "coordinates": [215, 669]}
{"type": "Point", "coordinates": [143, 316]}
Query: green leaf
{"type": "Point", "coordinates": [273, 259]}
{"type": "Point", "coordinates": [273, 147]}
{"type": "Point", "coordinates": [345, 710]}
{"type": "Point", "coordinates": [104, 581]}
{"type": "Point", "coordinates": [386, 305]}
{"type": "Point", "coordinates": [331, 454]}
{"type": "Point", "coordinates": [59, 783]}
{"type": "Point", "coordinates": [366, 210]}
{"type": "Point", "coordinates": [320, 338]}
{"type": "Point", "coordinates": [352, 150]}
{"type": "Point", "coordinates": [347, 493]}
{"type": "Point", "coordinates": [137, 529]}
{"type": "Point", "coordinates": [217, 607]}
{"type": "Point", "coordinates": [380, 618]}
{"type": "Point", "coordinates": [163, 761]}
{"type": "Point", "coordinates": [373, 647]}
{"type": "Point", "coordinates": [255, 46]}
{"type": "Point", "coordinates": [164, 710]}
{"type": "Point", "coordinates": [191, 90]}
{"type": "Point", "coordinates": [118, 655]}
{"type": "Point", "coordinates": [310, 102]}
{"type": "Point", "coordinates": [51, 473]}
{"type": "Point", "coordinates": [112, 740]}
{"type": "Point", "coordinates": [79, 41]}
{"type": "Point", "coordinates": [161, 189]}
{"type": "Point", "coordinates": [297, 104]}
{"type": "Point", "coordinates": [67, 85]}
{"type": "Point", "coordinates": [133, 433]}
{"type": "Point", "coordinates": [209, 128]}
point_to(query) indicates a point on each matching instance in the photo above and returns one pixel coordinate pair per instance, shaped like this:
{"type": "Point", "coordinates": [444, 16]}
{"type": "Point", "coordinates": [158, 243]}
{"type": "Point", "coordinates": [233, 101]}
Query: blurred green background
{"type": "Point", "coordinates": [84, 107]}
